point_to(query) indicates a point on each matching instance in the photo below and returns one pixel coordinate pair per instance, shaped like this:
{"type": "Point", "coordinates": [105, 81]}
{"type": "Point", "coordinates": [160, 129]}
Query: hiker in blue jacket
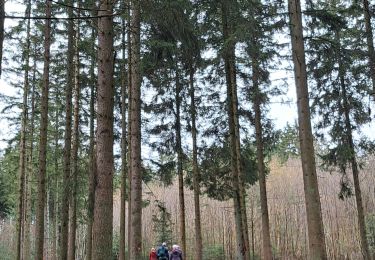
{"type": "Point", "coordinates": [163, 252]}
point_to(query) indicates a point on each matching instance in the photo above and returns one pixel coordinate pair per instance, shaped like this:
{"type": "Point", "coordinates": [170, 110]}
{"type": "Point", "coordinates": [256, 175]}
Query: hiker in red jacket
{"type": "Point", "coordinates": [153, 255]}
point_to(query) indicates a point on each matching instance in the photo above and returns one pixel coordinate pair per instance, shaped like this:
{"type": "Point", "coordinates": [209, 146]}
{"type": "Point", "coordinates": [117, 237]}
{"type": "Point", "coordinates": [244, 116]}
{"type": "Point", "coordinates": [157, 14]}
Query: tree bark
{"type": "Point", "coordinates": [317, 247]}
{"type": "Point", "coordinates": [68, 139]}
{"type": "Point", "coordinates": [353, 159]}
{"type": "Point", "coordinates": [74, 157]}
{"type": "Point", "coordinates": [53, 190]}
{"type": "Point", "coordinates": [2, 15]}
{"type": "Point", "coordinates": [30, 173]}
{"type": "Point", "coordinates": [266, 239]}
{"type": "Point", "coordinates": [196, 176]}
{"type": "Point", "coordinates": [232, 104]}
{"type": "Point", "coordinates": [135, 139]}
{"type": "Point", "coordinates": [370, 43]}
{"type": "Point", "coordinates": [123, 147]}
{"type": "Point", "coordinates": [39, 225]}
{"type": "Point", "coordinates": [180, 173]}
{"type": "Point", "coordinates": [357, 187]}
{"type": "Point", "coordinates": [103, 210]}
{"type": "Point", "coordinates": [129, 128]}
{"type": "Point", "coordinates": [241, 177]}
{"type": "Point", "coordinates": [92, 162]}
{"type": "Point", "coordinates": [22, 161]}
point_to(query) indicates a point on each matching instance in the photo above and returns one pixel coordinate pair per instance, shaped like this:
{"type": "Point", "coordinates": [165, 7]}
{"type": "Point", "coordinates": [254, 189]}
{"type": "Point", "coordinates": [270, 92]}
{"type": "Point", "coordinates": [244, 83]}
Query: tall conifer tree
{"type": "Point", "coordinates": [67, 137]}
{"type": "Point", "coordinates": [196, 173]}
{"type": "Point", "coordinates": [39, 225]}
{"type": "Point", "coordinates": [317, 247]}
{"type": "Point", "coordinates": [338, 92]}
{"type": "Point", "coordinates": [23, 152]}
{"type": "Point", "coordinates": [92, 157]}
{"type": "Point", "coordinates": [103, 209]}
{"type": "Point", "coordinates": [232, 107]}
{"type": "Point", "coordinates": [124, 144]}
{"type": "Point", "coordinates": [135, 133]}
{"type": "Point", "coordinates": [74, 156]}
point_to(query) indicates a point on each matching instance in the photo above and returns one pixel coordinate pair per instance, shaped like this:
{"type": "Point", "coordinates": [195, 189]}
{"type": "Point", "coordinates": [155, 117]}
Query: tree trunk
{"type": "Point", "coordinates": [317, 247]}
{"type": "Point", "coordinates": [370, 43]}
{"type": "Point", "coordinates": [46, 222]}
{"type": "Point", "coordinates": [53, 191]}
{"type": "Point", "coordinates": [241, 178]}
{"type": "Point", "coordinates": [135, 139]}
{"type": "Point", "coordinates": [30, 172]}
{"type": "Point", "coordinates": [231, 74]}
{"type": "Point", "coordinates": [266, 239]}
{"type": "Point", "coordinates": [74, 157]}
{"type": "Point", "coordinates": [68, 139]}
{"type": "Point", "coordinates": [123, 148]}
{"type": "Point", "coordinates": [92, 163]}
{"type": "Point", "coordinates": [22, 161]}
{"type": "Point", "coordinates": [103, 209]}
{"type": "Point", "coordinates": [353, 160]}
{"type": "Point", "coordinates": [39, 222]}
{"type": "Point", "coordinates": [2, 15]}
{"type": "Point", "coordinates": [357, 187]}
{"type": "Point", "coordinates": [180, 173]}
{"type": "Point", "coordinates": [196, 176]}
{"type": "Point", "coordinates": [129, 33]}
{"type": "Point", "coordinates": [252, 232]}
{"type": "Point", "coordinates": [232, 103]}
{"type": "Point", "coordinates": [92, 189]}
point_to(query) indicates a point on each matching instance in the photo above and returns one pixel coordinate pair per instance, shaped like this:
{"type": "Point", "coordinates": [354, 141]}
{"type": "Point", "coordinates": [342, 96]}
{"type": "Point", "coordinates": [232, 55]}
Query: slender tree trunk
{"type": "Point", "coordinates": [135, 139]}
{"type": "Point", "coordinates": [123, 147]}
{"type": "Point", "coordinates": [317, 247]}
{"type": "Point", "coordinates": [39, 225]}
{"type": "Point", "coordinates": [74, 157]}
{"type": "Point", "coordinates": [30, 172]}
{"type": "Point", "coordinates": [22, 161]}
{"type": "Point", "coordinates": [103, 210]}
{"type": "Point", "coordinates": [196, 176]}
{"type": "Point", "coordinates": [370, 43]}
{"type": "Point", "coordinates": [241, 177]}
{"type": "Point", "coordinates": [92, 163]}
{"type": "Point", "coordinates": [237, 151]}
{"type": "Point", "coordinates": [252, 232]}
{"type": "Point", "coordinates": [22, 164]}
{"type": "Point", "coordinates": [237, 140]}
{"type": "Point", "coordinates": [2, 15]}
{"type": "Point", "coordinates": [68, 139]}
{"type": "Point", "coordinates": [129, 34]}
{"type": "Point", "coordinates": [266, 239]}
{"type": "Point", "coordinates": [353, 160]}
{"type": "Point", "coordinates": [53, 191]}
{"type": "Point", "coordinates": [232, 103]}
{"type": "Point", "coordinates": [91, 198]}
{"type": "Point", "coordinates": [180, 173]}
{"type": "Point", "coordinates": [357, 187]}
{"type": "Point", "coordinates": [47, 217]}
{"type": "Point", "coordinates": [53, 216]}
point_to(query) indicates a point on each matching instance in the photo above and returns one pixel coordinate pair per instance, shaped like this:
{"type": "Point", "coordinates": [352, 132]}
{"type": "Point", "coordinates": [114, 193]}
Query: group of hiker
{"type": "Point", "coordinates": [162, 253]}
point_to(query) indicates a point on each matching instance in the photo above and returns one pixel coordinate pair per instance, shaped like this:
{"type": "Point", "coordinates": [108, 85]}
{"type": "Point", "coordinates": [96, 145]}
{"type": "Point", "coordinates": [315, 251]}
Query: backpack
{"type": "Point", "coordinates": [162, 253]}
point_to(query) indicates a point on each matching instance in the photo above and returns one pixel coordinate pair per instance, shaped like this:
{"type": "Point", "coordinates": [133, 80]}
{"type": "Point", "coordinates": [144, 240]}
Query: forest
{"type": "Point", "coordinates": [235, 129]}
